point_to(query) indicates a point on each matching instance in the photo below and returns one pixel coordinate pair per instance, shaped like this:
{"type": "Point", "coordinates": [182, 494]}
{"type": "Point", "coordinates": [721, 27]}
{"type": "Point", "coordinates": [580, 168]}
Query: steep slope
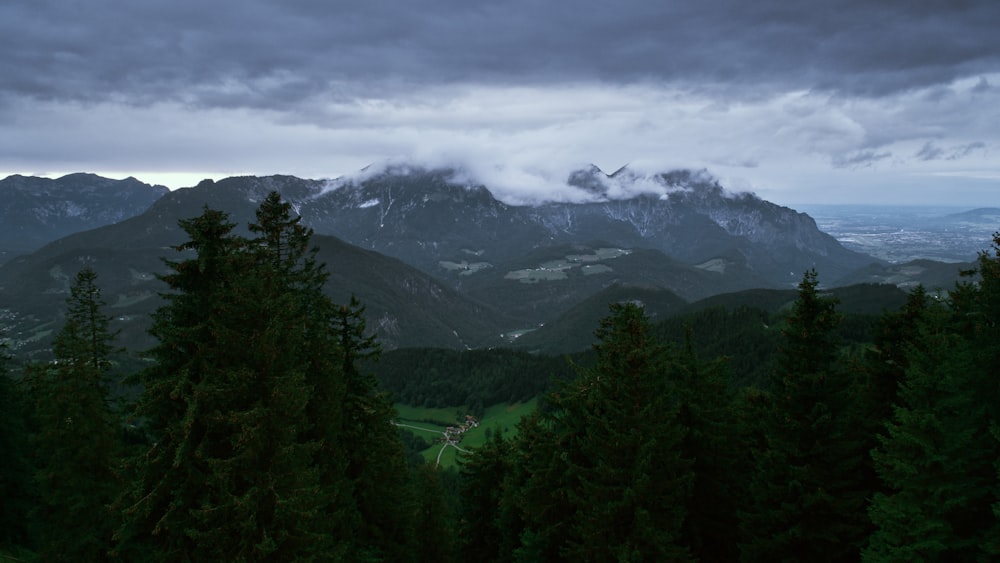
{"type": "Point", "coordinates": [405, 307]}
{"type": "Point", "coordinates": [35, 211]}
{"type": "Point", "coordinates": [574, 330]}
{"type": "Point", "coordinates": [548, 281]}
{"type": "Point", "coordinates": [453, 228]}
{"type": "Point", "coordinates": [678, 231]}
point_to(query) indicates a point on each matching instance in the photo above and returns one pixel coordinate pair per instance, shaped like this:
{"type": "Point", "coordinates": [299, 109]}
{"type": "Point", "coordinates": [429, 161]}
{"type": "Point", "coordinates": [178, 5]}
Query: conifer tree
{"type": "Point", "coordinates": [616, 457]}
{"type": "Point", "coordinates": [287, 259]}
{"type": "Point", "coordinates": [538, 492]}
{"type": "Point", "coordinates": [77, 438]}
{"type": "Point", "coordinates": [15, 470]}
{"type": "Point", "coordinates": [807, 495]}
{"type": "Point", "coordinates": [882, 371]}
{"type": "Point", "coordinates": [433, 524]}
{"type": "Point", "coordinates": [717, 451]}
{"type": "Point", "coordinates": [376, 459]}
{"type": "Point", "coordinates": [885, 362]}
{"type": "Point", "coordinates": [934, 459]}
{"type": "Point", "coordinates": [937, 457]}
{"type": "Point", "coordinates": [484, 472]}
{"type": "Point", "coordinates": [229, 475]}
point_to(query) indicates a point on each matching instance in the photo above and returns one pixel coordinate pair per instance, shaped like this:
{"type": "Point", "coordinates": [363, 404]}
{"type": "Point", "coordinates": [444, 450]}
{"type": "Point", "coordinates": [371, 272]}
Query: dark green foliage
{"type": "Point", "coordinates": [894, 336]}
{"type": "Point", "coordinates": [86, 339]}
{"type": "Point", "coordinates": [609, 456]}
{"type": "Point", "coordinates": [808, 344]}
{"type": "Point", "coordinates": [230, 474]}
{"type": "Point", "coordinates": [76, 439]}
{"type": "Point", "coordinates": [882, 369]}
{"type": "Point", "coordinates": [15, 470]}
{"type": "Point", "coordinates": [807, 496]}
{"type": "Point", "coordinates": [534, 515]}
{"type": "Point", "coordinates": [938, 456]}
{"type": "Point", "coordinates": [475, 378]}
{"type": "Point", "coordinates": [751, 338]}
{"type": "Point", "coordinates": [376, 461]}
{"type": "Point", "coordinates": [265, 435]}
{"type": "Point", "coordinates": [717, 451]}
{"type": "Point", "coordinates": [433, 523]}
{"type": "Point", "coordinates": [413, 445]}
{"type": "Point", "coordinates": [484, 474]}
{"type": "Point", "coordinates": [283, 248]}
{"type": "Point", "coordinates": [269, 441]}
{"type": "Point", "coordinates": [748, 337]}
{"type": "Point", "coordinates": [934, 460]}
{"type": "Point", "coordinates": [573, 331]}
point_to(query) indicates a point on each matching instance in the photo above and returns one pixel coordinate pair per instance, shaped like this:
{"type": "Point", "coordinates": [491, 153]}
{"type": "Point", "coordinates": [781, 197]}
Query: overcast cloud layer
{"type": "Point", "coordinates": [801, 102]}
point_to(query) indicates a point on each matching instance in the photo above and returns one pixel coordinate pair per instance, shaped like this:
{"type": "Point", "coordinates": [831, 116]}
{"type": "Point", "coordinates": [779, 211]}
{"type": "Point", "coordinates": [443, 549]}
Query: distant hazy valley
{"type": "Point", "coordinates": [906, 233]}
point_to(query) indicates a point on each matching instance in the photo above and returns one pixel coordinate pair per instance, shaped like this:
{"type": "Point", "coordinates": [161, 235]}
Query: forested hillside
{"type": "Point", "coordinates": [261, 428]}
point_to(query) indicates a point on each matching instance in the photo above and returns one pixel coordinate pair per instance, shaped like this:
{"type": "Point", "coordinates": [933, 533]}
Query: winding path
{"type": "Point", "coordinates": [447, 440]}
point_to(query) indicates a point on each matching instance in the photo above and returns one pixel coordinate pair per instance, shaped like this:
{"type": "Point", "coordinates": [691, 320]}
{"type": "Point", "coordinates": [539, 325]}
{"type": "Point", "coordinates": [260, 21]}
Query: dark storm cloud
{"type": "Point", "coordinates": [775, 96]}
{"type": "Point", "coordinates": [860, 159]}
{"type": "Point", "coordinates": [230, 53]}
{"type": "Point", "coordinates": [931, 151]}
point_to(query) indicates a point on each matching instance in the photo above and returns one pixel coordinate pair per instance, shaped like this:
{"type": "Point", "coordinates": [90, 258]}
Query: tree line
{"type": "Point", "coordinates": [435, 377]}
{"type": "Point", "coordinates": [256, 436]}
{"type": "Point", "coordinates": [889, 452]}
{"type": "Point", "coordinates": [261, 433]}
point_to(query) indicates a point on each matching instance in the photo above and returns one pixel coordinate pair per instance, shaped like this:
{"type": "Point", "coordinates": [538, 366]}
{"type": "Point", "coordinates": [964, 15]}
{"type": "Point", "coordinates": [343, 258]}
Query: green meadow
{"type": "Point", "coordinates": [430, 423]}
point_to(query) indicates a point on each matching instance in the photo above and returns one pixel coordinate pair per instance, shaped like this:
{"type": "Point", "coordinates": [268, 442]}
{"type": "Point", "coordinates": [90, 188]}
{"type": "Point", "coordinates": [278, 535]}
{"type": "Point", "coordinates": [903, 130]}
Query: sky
{"type": "Point", "coordinates": [827, 101]}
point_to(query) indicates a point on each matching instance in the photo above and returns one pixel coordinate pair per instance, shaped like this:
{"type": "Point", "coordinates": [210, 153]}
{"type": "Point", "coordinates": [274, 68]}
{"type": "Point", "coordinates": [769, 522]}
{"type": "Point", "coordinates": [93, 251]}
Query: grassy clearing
{"type": "Point", "coordinates": [128, 299]}
{"type": "Point", "coordinates": [716, 265]}
{"type": "Point", "coordinates": [558, 269]}
{"type": "Point", "coordinates": [464, 268]}
{"type": "Point", "coordinates": [502, 417]}
{"type": "Point", "coordinates": [591, 269]}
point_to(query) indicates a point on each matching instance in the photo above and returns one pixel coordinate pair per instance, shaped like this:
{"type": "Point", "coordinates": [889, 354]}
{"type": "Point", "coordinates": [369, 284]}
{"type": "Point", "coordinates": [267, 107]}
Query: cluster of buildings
{"type": "Point", "coordinates": [453, 434]}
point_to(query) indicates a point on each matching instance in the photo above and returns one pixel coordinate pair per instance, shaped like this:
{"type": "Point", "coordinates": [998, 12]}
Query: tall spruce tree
{"type": "Point", "coordinates": [230, 475]}
{"type": "Point", "coordinates": [284, 249]}
{"type": "Point", "coordinates": [988, 366]}
{"type": "Point", "coordinates": [937, 457]}
{"type": "Point", "coordinates": [433, 523]}
{"type": "Point", "coordinates": [934, 459]}
{"type": "Point", "coordinates": [882, 371]}
{"type": "Point", "coordinates": [270, 442]}
{"type": "Point", "coordinates": [538, 493]}
{"type": "Point", "coordinates": [616, 455]}
{"type": "Point", "coordinates": [481, 526]}
{"type": "Point", "coordinates": [15, 470]}
{"type": "Point", "coordinates": [76, 443]}
{"type": "Point", "coordinates": [886, 361]}
{"type": "Point", "coordinates": [375, 457]}
{"type": "Point", "coordinates": [807, 495]}
{"type": "Point", "coordinates": [716, 449]}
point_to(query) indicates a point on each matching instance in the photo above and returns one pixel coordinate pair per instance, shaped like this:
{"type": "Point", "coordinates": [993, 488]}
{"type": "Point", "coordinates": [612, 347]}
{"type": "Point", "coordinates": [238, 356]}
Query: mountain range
{"type": "Point", "coordinates": [437, 259]}
{"type": "Point", "coordinates": [34, 211]}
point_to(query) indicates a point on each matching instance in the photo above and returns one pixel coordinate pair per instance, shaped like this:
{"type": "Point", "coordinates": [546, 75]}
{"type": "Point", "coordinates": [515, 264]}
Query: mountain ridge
{"type": "Point", "coordinates": [444, 263]}
{"type": "Point", "coordinates": [692, 219]}
{"type": "Point", "coordinates": [35, 211]}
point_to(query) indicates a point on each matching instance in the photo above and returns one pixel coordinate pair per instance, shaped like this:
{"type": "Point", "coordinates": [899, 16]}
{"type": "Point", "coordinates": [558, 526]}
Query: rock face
{"type": "Point", "coordinates": [35, 211]}
{"type": "Point", "coordinates": [427, 219]}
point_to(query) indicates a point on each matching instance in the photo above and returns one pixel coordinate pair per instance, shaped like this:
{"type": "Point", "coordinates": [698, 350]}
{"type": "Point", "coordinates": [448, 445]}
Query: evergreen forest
{"type": "Point", "coordinates": [261, 427]}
